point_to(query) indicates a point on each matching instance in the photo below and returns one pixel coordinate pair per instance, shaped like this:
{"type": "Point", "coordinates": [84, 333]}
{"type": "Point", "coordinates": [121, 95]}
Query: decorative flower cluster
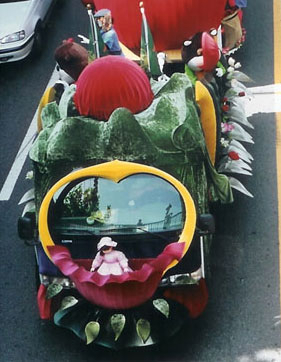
{"type": "Point", "coordinates": [235, 158]}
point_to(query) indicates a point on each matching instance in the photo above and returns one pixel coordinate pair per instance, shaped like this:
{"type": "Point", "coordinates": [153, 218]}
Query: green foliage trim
{"type": "Point", "coordinates": [92, 330]}
{"type": "Point", "coordinates": [163, 306]}
{"type": "Point", "coordinates": [53, 289]}
{"type": "Point", "coordinates": [143, 329]}
{"type": "Point", "coordinates": [68, 301]}
{"type": "Point", "coordinates": [117, 322]}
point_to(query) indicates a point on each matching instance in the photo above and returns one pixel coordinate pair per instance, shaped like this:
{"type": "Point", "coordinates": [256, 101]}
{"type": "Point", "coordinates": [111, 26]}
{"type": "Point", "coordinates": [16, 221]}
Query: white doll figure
{"type": "Point", "coordinates": [109, 261]}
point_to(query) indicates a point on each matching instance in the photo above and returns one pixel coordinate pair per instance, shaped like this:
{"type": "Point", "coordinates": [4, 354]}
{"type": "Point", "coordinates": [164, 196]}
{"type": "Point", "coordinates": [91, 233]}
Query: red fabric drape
{"type": "Point", "coordinates": [116, 291]}
{"type": "Point", "coordinates": [111, 82]}
{"type": "Point", "coordinates": [44, 305]}
{"type": "Point", "coordinates": [193, 297]}
{"type": "Point", "coordinates": [171, 21]}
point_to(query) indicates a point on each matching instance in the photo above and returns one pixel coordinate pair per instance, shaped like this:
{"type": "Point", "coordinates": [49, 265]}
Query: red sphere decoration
{"type": "Point", "coordinates": [111, 82]}
{"type": "Point", "coordinates": [233, 155]}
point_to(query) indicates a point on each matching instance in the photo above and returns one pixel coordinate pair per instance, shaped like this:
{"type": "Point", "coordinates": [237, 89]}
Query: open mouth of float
{"type": "Point", "coordinates": [148, 213]}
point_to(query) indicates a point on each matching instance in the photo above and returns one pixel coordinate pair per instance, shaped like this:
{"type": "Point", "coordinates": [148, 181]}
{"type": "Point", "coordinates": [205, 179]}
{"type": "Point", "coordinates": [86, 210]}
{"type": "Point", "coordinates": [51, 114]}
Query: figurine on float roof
{"type": "Point", "coordinates": [71, 58]}
{"type": "Point", "coordinates": [200, 55]}
{"type": "Point", "coordinates": [107, 31]}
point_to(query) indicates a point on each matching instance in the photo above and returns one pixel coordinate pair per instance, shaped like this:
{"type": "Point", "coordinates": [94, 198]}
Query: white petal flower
{"type": "Point", "coordinates": [219, 72]}
{"type": "Point", "coordinates": [231, 61]}
{"type": "Point", "coordinates": [29, 175]}
{"type": "Point", "coordinates": [224, 142]}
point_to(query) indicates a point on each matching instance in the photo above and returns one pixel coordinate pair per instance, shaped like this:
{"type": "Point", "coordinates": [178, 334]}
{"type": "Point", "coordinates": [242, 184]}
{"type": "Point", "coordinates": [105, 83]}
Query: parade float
{"type": "Point", "coordinates": [126, 167]}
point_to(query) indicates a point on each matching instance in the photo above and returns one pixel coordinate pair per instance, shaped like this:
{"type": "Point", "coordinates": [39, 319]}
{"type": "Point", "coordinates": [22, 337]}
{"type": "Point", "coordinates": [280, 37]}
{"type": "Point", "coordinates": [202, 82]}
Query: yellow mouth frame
{"type": "Point", "coordinates": [116, 171]}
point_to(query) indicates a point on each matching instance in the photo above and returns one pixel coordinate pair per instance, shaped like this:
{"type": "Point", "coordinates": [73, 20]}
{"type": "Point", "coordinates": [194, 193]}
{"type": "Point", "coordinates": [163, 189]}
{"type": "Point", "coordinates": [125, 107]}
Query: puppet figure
{"type": "Point", "coordinates": [200, 55]}
{"type": "Point", "coordinates": [109, 261]}
{"type": "Point", "coordinates": [72, 58]}
{"type": "Point", "coordinates": [107, 31]}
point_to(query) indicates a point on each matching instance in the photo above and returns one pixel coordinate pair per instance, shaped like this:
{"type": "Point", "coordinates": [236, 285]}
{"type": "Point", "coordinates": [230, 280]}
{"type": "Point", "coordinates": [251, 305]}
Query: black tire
{"type": "Point", "coordinates": [38, 41]}
{"type": "Point", "coordinates": [36, 273]}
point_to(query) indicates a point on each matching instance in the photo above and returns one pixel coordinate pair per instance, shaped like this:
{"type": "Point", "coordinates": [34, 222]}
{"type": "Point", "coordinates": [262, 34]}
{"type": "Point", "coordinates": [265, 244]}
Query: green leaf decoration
{"type": "Point", "coordinates": [29, 207]}
{"type": "Point", "coordinates": [68, 302]}
{"type": "Point", "coordinates": [29, 195]}
{"type": "Point", "coordinates": [117, 322]}
{"type": "Point", "coordinates": [53, 289]}
{"type": "Point", "coordinates": [92, 330]}
{"type": "Point", "coordinates": [163, 306]}
{"type": "Point", "coordinates": [143, 329]}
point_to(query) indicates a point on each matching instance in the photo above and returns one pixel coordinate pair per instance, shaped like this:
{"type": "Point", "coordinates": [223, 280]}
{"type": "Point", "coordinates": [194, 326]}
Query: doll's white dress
{"type": "Point", "coordinates": [114, 263]}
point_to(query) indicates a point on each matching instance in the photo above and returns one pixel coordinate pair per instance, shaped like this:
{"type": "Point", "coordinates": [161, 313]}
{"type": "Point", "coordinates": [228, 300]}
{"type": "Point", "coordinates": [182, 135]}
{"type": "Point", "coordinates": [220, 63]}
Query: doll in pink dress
{"type": "Point", "coordinates": [109, 261]}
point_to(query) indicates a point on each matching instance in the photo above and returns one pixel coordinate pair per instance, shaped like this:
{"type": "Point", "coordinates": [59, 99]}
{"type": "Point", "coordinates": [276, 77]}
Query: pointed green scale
{"type": "Point", "coordinates": [92, 330]}
{"type": "Point", "coordinates": [117, 322]}
{"type": "Point", "coordinates": [53, 289]}
{"type": "Point", "coordinates": [163, 306]}
{"type": "Point", "coordinates": [143, 329]}
{"type": "Point", "coordinates": [68, 302]}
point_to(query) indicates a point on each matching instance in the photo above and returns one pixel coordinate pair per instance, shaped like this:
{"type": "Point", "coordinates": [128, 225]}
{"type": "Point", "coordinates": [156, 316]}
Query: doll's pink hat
{"type": "Point", "coordinates": [106, 241]}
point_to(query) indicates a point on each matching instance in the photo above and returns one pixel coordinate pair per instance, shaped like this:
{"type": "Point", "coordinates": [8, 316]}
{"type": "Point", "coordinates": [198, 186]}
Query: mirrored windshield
{"type": "Point", "coordinates": [138, 203]}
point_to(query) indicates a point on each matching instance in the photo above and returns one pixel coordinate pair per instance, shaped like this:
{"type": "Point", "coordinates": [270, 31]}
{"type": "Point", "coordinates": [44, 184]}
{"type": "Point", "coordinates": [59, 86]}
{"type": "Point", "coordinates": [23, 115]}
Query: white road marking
{"type": "Point", "coordinates": [19, 161]}
{"type": "Point", "coordinates": [264, 99]}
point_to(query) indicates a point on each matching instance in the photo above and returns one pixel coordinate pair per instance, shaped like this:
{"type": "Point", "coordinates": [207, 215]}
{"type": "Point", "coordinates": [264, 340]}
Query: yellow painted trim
{"type": "Point", "coordinates": [173, 55]}
{"type": "Point", "coordinates": [208, 118]}
{"type": "Point", "coordinates": [116, 171]}
{"type": "Point", "coordinates": [277, 79]}
{"type": "Point", "coordinates": [48, 96]}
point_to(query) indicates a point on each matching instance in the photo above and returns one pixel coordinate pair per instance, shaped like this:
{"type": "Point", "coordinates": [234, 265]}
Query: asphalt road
{"type": "Point", "coordinates": [242, 320]}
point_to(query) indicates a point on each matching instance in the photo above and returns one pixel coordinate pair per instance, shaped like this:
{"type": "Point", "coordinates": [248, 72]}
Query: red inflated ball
{"type": "Point", "coordinates": [111, 82]}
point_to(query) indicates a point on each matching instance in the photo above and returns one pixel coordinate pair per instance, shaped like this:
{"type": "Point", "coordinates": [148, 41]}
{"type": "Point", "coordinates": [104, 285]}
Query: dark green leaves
{"type": "Point", "coordinates": [53, 289]}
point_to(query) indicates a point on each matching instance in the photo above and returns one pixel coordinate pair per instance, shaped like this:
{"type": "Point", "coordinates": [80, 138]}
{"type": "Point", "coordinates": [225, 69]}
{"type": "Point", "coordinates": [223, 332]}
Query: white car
{"type": "Point", "coordinates": [21, 24]}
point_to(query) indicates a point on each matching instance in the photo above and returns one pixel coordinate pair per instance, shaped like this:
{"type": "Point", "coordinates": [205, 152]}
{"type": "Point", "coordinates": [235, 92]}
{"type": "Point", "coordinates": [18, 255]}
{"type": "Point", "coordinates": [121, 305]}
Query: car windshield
{"type": "Point", "coordinates": [143, 213]}
{"type": "Point", "coordinates": [138, 203]}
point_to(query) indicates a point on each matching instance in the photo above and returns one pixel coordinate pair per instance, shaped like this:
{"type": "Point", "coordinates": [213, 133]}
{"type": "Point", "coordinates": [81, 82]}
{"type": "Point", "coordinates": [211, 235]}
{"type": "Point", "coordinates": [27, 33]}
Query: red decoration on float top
{"type": "Point", "coordinates": [171, 21]}
{"type": "Point", "coordinates": [109, 83]}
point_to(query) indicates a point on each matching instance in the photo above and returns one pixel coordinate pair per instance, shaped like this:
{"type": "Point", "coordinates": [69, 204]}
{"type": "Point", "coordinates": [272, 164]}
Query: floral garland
{"type": "Point", "coordinates": [235, 159]}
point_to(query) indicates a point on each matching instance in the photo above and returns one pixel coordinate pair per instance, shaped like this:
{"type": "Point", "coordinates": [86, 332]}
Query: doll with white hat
{"type": "Point", "coordinates": [109, 261]}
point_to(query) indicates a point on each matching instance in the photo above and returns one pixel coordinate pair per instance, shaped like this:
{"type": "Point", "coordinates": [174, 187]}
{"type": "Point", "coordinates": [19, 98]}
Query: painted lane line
{"type": "Point", "coordinates": [263, 99]}
{"type": "Point", "coordinates": [270, 88]}
{"type": "Point", "coordinates": [19, 161]}
{"type": "Point", "coordinates": [277, 79]}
